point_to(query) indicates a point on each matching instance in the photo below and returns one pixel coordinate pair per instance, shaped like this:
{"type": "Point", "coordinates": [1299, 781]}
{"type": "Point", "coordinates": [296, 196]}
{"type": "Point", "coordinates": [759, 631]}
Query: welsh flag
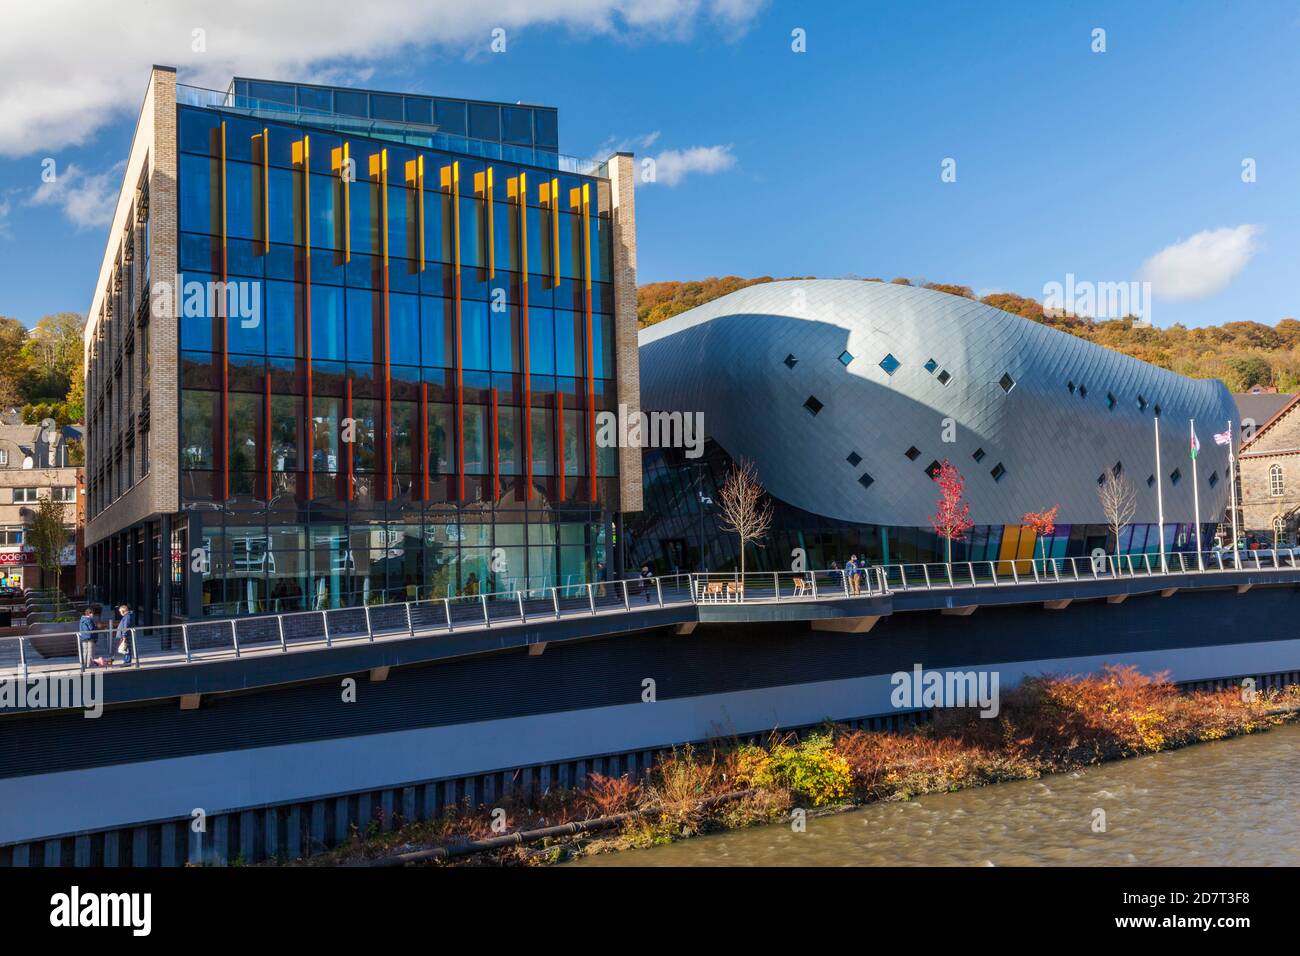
{"type": "Point", "coordinates": [1196, 442]}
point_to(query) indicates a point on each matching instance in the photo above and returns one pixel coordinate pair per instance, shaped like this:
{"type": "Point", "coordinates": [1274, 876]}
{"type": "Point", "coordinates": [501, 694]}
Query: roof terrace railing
{"type": "Point", "coordinates": [224, 638]}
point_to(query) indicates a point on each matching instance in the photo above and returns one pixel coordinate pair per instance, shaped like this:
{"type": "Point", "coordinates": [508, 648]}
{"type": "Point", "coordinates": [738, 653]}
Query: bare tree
{"type": "Point", "coordinates": [746, 508]}
{"type": "Point", "coordinates": [1118, 503]}
{"type": "Point", "coordinates": [47, 535]}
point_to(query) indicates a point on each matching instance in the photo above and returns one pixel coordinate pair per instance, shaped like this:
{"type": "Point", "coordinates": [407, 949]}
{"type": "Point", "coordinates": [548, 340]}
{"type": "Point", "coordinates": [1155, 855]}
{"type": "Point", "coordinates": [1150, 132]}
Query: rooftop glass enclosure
{"type": "Point", "coordinates": [517, 134]}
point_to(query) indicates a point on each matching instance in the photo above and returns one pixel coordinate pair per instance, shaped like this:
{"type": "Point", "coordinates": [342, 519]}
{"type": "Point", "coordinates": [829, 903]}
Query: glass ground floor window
{"type": "Point", "coordinates": [259, 563]}
{"type": "Point", "coordinates": [679, 531]}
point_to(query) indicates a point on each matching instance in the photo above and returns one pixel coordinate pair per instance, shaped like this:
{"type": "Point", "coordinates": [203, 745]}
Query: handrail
{"type": "Point", "coordinates": [223, 637]}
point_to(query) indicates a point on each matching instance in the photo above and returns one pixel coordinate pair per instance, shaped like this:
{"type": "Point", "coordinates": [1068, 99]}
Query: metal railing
{"type": "Point", "coordinates": [179, 644]}
{"type": "Point", "coordinates": [1015, 571]}
{"type": "Point", "coordinates": [769, 586]}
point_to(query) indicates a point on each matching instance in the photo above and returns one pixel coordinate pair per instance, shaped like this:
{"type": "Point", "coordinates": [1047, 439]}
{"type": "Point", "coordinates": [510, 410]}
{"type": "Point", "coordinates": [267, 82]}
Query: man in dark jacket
{"type": "Point", "coordinates": [86, 636]}
{"type": "Point", "coordinates": [124, 628]}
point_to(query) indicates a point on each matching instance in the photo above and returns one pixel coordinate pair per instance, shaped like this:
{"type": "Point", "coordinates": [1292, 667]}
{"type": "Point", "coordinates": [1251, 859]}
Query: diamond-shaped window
{"type": "Point", "coordinates": [846, 357]}
{"type": "Point", "coordinates": [890, 364]}
{"type": "Point", "coordinates": [1007, 382]}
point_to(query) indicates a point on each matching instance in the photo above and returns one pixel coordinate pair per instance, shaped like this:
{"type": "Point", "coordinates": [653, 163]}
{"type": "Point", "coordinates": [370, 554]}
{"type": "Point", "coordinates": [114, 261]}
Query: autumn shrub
{"type": "Point", "coordinates": [889, 765]}
{"type": "Point", "coordinates": [679, 783]}
{"type": "Point", "coordinates": [760, 806]}
{"type": "Point", "coordinates": [605, 796]}
{"type": "Point", "coordinates": [811, 769]}
{"type": "Point", "coordinates": [745, 765]}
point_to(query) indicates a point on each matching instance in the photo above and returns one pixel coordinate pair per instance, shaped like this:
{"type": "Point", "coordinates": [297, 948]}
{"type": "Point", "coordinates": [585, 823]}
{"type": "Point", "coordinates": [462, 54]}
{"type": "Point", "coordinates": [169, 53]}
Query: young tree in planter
{"type": "Point", "coordinates": [952, 520]}
{"type": "Point", "coordinates": [1118, 503]}
{"type": "Point", "coordinates": [47, 535]}
{"type": "Point", "coordinates": [1043, 524]}
{"type": "Point", "coordinates": [745, 506]}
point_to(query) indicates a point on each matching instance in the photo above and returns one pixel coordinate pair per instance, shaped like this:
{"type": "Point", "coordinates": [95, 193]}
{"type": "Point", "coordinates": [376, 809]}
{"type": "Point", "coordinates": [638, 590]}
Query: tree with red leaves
{"type": "Point", "coordinates": [1043, 524]}
{"type": "Point", "coordinates": [952, 520]}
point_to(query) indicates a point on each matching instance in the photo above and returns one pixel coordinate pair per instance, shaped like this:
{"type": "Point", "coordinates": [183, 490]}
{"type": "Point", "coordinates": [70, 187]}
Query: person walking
{"type": "Point", "coordinates": [86, 637]}
{"type": "Point", "coordinates": [851, 574]}
{"type": "Point", "coordinates": [124, 636]}
{"type": "Point", "coordinates": [646, 578]}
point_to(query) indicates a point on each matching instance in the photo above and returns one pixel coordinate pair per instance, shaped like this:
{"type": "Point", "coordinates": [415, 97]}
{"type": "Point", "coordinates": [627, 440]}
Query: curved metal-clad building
{"type": "Point", "coordinates": [844, 393]}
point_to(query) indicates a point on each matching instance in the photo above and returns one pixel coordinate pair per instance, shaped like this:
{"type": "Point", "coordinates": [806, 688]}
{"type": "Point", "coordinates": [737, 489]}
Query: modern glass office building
{"type": "Point", "coordinates": [370, 364]}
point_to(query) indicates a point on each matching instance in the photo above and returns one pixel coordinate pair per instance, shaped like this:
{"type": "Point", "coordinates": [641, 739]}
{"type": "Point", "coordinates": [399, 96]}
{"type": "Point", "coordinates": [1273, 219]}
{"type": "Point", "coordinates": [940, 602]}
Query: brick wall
{"type": "Point", "coordinates": [622, 171]}
{"type": "Point", "coordinates": [153, 153]}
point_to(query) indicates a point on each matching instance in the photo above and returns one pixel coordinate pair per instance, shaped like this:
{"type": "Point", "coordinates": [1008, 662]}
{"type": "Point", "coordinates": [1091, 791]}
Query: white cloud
{"type": "Point", "coordinates": [674, 165]}
{"type": "Point", "coordinates": [627, 144]}
{"type": "Point", "coordinates": [68, 67]}
{"type": "Point", "coordinates": [87, 200]}
{"type": "Point", "coordinates": [5, 208]}
{"type": "Point", "coordinates": [1202, 265]}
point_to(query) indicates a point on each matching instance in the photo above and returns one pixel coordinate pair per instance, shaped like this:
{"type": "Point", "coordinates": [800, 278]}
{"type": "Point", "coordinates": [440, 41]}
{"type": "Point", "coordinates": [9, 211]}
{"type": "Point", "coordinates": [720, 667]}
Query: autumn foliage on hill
{"type": "Point", "coordinates": [1240, 354]}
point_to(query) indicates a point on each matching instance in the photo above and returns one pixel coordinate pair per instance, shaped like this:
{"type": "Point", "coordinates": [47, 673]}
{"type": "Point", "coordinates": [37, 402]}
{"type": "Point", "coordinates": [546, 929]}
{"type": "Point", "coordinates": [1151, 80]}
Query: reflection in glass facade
{"type": "Point", "coordinates": [390, 359]}
{"type": "Point", "coordinates": [365, 435]}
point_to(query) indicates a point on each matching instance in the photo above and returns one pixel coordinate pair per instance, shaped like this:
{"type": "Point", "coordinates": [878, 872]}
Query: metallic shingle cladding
{"type": "Point", "coordinates": [727, 359]}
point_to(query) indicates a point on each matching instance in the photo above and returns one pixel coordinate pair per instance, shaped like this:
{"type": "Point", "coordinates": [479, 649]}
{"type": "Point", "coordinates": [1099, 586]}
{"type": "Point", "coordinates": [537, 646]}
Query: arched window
{"type": "Point", "coordinates": [1275, 481]}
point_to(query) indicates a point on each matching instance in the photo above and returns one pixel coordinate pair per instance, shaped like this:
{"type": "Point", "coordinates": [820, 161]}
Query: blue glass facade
{"type": "Point", "coordinates": [392, 346]}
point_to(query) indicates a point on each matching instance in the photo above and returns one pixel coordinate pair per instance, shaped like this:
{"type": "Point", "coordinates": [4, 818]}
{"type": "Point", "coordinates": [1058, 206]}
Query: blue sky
{"type": "Point", "coordinates": [825, 162]}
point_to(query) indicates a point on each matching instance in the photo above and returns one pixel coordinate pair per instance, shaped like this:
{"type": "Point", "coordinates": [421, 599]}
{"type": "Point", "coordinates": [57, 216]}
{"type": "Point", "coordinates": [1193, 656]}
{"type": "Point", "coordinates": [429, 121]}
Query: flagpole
{"type": "Point", "coordinates": [1196, 499]}
{"type": "Point", "coordinates": [1160, 500]}
{"type": "Point", "coordinates": [1232, 474]}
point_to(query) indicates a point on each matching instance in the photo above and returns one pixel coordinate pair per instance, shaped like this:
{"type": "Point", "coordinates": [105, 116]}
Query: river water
{"type": "Point", "coordinates": [1233, 802]}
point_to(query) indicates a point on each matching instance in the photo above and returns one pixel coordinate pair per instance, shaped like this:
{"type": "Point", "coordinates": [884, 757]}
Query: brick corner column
{"type": "Point", "coordinates": [622, 178]}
